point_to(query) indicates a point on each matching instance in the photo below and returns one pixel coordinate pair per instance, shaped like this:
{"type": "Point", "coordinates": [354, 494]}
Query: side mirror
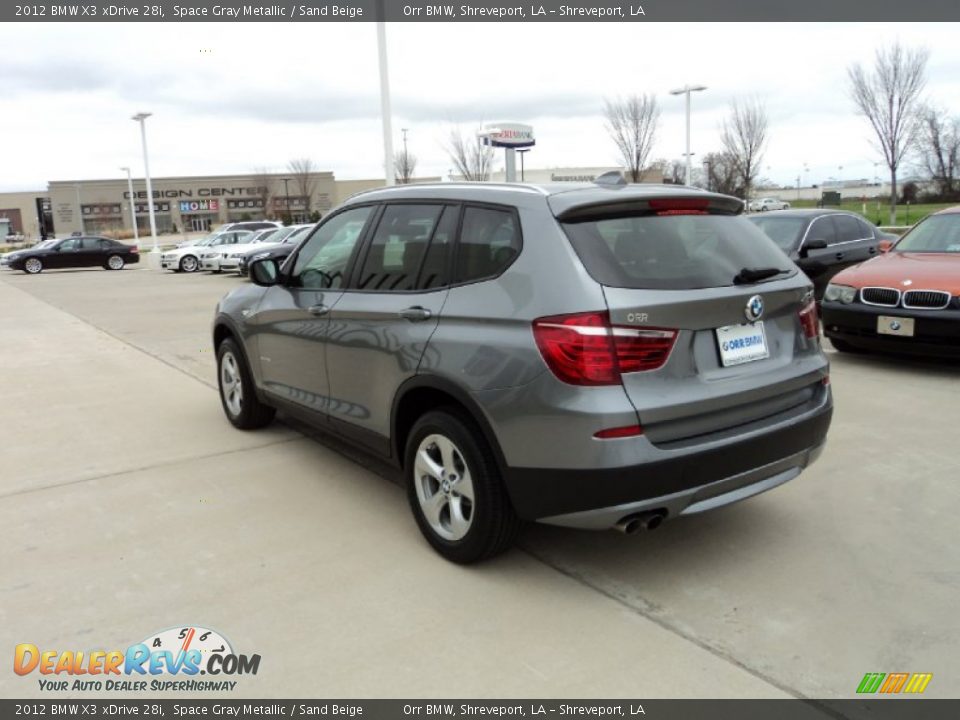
{"type": "Point", "coordinates": [264, 272]}
{"type": "Point", "coordinates": [885, 245]}
{"type": "Point", "coordinates": [812, 244]}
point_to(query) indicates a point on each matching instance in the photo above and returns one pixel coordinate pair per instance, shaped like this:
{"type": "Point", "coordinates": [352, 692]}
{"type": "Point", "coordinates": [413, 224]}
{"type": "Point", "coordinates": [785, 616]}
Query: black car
{"type": "Point", "coordinates": [74, 252]}
{"type": "Point", "coordinates": [822, 242]}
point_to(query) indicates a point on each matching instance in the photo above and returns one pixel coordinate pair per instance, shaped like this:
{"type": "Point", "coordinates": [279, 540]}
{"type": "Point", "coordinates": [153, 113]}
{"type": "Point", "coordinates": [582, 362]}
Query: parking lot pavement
{"type": "Point", "coordinates": [281, 542]}
{"type": "Point", "coordinates": [128, 505]}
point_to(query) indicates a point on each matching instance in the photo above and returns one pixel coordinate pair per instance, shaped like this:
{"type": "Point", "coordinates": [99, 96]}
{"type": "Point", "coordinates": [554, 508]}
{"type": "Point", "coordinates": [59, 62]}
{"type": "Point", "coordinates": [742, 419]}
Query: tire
{"type": "Point", "coordinates": [465, 523]}
{"type": "Point", "coordinates": [237, 393]}
{"type": "Point", "coordinates": [188, 264]}
{"type": "Point", "coordinates": [33, 266]}
{"type": "Point", "coordinates": [114, 262]}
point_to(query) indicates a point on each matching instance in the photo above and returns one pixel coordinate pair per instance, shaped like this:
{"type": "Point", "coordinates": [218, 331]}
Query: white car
{"type": "Point", "coordinates": [212, 254]}
{"type": "Point", "coordinates": [230, 257]}
{"type": "Point", "coordinates": [768, 203]}
{"type": "Point", "coordinates": [186, 258]}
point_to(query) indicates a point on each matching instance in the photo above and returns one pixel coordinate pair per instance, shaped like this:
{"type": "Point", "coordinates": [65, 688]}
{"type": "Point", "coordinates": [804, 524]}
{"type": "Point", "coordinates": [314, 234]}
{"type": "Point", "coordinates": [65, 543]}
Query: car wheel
{"type": "Point", "coordinates": [33, 266]}
{"type": "Point", "coordinates": [188, 264]}
{"type": "Point", "coordinates": [237, 394]}
{"type": "Point", "coordinates": [455, 489]}
{"type": "Point", "coordinates": [114, 262]}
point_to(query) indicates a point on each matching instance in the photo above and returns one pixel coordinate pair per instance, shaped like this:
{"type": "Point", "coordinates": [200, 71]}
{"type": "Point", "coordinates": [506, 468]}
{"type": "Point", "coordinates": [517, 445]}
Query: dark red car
{"type": "Point", "coordinates": [907, 300]}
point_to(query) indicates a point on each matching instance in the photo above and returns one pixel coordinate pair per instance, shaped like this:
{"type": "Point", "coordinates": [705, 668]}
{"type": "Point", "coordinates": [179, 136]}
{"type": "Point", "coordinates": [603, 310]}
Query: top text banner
{"type": "Point", "coordinates": [486, 11]}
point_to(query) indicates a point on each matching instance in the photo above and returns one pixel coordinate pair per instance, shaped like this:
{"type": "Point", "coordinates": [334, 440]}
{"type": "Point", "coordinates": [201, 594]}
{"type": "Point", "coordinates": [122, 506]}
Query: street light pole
{"type": "Point", "coordinates": [79, 209]}
{"type": "Point", "coordinates": [385, 98]}
{"type": "Point", "coordinates": [133, 207]}
{"type": "Point", "coordinates": [140, 117]}
{"type": "Point", "coordinates": [686, 90]}
{"type": "Point", "coordinates": [522, 151]}
{"type": "Point", "coordinates": [286, 192]}
{"type": "Point", "coordinates": [406, 158]}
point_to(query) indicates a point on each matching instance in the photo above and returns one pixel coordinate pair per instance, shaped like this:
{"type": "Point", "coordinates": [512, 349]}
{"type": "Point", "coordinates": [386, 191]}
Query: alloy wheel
{"type": "Point", "coordinates": [231, 385]}
{"type": "Point", "coordinates": [444, 487]}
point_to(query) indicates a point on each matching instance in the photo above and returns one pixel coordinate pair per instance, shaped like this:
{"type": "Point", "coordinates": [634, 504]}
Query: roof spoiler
{"type": "Point", "coordinates": [614, 178]}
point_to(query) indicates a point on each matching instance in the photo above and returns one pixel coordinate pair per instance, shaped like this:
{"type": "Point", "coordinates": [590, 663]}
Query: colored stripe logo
{"type": "Point", "coordinates": [893, 683]}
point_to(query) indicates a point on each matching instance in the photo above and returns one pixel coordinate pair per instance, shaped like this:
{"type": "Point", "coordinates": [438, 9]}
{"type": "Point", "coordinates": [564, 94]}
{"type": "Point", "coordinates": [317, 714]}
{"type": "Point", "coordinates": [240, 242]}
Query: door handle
{"type": "Point", "coordinates": [873, 250]}
{"type": "Point", "coordinates": [318, 310]}
{"type": "Point", "coordinates": [839, 256]}
{"type": "Point", "coordinates": [415, 314]}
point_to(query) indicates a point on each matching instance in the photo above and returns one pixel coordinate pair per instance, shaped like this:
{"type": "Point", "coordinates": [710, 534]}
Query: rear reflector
{"type": "Point", "coordinates": [809, 320]}
{"type": "Point", "coordinates": [585, 349]}
{"type": "Point", "coordinates": [619, 432]}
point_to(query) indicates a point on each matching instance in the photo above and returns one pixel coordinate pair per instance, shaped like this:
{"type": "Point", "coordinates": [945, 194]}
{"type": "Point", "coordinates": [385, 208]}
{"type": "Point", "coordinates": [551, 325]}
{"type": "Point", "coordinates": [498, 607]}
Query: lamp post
{"type": "Point", "coordinates": [686, 90]}
{"type": "Point", "coordinates": [133, 207]}
{"type": "Point", "coordinates": [385, 97]}
{"type": "Point", "coordinates": [522, 151]}
{"type": "Point", "coordinates": [140, 117]}
{"type": "Point", "coordinates": [79, 209]}
{"type": "Point", "coordinates": [286, 192]}
{"type": "Point", "coordinates": [406, 159]}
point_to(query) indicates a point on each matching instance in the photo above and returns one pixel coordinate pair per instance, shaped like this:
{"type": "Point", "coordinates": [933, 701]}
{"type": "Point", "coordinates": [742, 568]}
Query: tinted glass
{"type": "Point", "coordinates": [323, 260]}
{"type": "Point", "coordinates": [91, 243]}
{"type": "Point", "coordinates": [675, 252]}
{"type": "Point", "coordinates": [938, 233]}
{"type": "Point", "coordinates": [847, 228]}
{"type": "Point", "coordinates": [396, 253]}
{"type": "Point", "coordinates": [489, 241]}
{"type": "Point", "coordinates": [866, 229]}
{"type": "Point", "coordinates": [435, 272]}
{"type": "Point", "coordinates": [71, 244]}
{"type": "Point", "coordinates": [822, 229]}
{"type": "Point", "coordinates": [784, 231]}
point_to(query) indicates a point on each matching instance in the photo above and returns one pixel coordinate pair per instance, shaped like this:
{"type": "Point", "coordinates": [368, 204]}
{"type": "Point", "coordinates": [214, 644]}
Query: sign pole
{"type": "Point", "coordinates": [510, 156]}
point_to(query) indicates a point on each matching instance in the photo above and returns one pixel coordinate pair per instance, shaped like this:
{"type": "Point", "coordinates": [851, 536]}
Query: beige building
{"type": "Point", "coordinates": [180, 204]}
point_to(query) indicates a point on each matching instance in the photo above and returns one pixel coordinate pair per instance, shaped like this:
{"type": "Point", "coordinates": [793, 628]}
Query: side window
{"type": "Point", "coordinates": [435, 272]}
{"type": "Point", "coordinates": [489, 241]}
{"type": "Point", "coordinates": [822, 229]}
{"type": "Point", "coordinates": [398, 248]}
{"type": "Point", "coordinates": [90, 243]}
{"type": "Point", "coordinates": [847, 228]}
{"type": "Point", "coordinates": [70, 245]}
{"type": "Point", "coordinates": [322, 261]}
{"type": "Point", "coordinates": [866, 230]}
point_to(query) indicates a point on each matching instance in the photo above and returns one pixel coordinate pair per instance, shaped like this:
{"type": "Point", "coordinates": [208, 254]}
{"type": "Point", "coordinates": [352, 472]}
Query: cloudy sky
{"type": "Point", "coordinates": [230, 98]}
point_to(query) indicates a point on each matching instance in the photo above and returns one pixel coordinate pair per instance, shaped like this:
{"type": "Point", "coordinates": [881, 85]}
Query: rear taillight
{"type": "Point", "coordinates": [585, 349]}
{"type": "Point", "coordinates": [680, 206]}
{"type": "Point", "coordinates": [809, 320]}
{"type": "Point", "coordinates": [134, 249]}
{"type": "Point", "coordinates": [619, 432]}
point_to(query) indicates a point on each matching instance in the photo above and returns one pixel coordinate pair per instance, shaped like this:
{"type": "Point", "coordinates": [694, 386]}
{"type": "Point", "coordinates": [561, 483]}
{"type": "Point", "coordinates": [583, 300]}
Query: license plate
{"type": "Point", "coordinates": [895, 326]}
{"type": "Point", "coordinates": [741, 344]}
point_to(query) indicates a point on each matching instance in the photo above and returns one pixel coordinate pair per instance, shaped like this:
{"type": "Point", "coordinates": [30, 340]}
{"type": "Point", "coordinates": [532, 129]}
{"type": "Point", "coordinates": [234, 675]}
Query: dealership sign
{"type": "Point", "coordinates": [192, 206]}
{"type": "Point", "coordinates": [508, 135]}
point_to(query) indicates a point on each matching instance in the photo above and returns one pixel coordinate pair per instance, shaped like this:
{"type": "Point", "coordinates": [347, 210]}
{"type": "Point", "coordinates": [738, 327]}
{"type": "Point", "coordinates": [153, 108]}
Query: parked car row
{"type": "Point", "coordinates": [227, 250]}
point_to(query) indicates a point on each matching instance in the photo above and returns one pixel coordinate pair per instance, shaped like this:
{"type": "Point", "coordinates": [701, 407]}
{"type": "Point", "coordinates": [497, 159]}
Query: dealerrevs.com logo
{"type": "Point", "coordinates": [172, 659]}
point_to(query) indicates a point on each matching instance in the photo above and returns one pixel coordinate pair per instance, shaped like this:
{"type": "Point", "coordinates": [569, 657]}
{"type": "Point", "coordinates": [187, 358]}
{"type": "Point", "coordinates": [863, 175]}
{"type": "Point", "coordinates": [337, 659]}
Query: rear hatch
{"type": "Point", "coordinates": [727, 318]}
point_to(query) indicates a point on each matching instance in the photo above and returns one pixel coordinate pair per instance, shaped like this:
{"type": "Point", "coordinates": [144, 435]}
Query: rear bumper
{"type": "Point", "coordinates": [936, 332]}
{"type": "Point", "coordinates": [689, 483]}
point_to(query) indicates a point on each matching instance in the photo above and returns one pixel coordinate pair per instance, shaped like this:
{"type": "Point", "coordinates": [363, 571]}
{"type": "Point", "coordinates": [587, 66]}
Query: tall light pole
{"type": "Point", "coordinates": [686, 90]}
{"type": "Point", "coordinates": [286, 192]}
{"type": "Point", "coordinates": [133, 207]}
{"type": "Point", "coordinates": [140, 117]}
{"type": "Point", "coordinates": [522, 151]}
{"type": "Point", "coordinates": [406, 158]}
{"type": "Point", "coordinates": [385, 98]}
{"type": "Point", "coordinates": [79, 209]}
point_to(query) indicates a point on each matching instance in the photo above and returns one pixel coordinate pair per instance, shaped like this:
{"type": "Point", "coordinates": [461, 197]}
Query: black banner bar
{"type": "Point", "coordinates": [480, 11]}
{"type": "Point", "coordinates": [874, 709]}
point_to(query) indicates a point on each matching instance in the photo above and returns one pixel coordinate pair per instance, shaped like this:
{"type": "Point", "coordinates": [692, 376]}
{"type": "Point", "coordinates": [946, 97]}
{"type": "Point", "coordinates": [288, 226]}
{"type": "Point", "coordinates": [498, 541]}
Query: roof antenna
{"type": "Point", "coordinates": [614, 178]}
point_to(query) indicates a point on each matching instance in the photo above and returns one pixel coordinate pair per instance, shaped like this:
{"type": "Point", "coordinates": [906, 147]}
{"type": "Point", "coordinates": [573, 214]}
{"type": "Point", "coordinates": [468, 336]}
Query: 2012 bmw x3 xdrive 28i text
{"type": "Point", "coordinates": [582, 355]}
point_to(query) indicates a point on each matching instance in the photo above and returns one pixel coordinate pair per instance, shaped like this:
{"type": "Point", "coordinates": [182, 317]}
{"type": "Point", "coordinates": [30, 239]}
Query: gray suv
{"type": "Point", "coordinates": [593, 356]}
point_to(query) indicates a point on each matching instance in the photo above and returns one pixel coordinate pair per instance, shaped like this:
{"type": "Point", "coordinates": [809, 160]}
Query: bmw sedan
{"type": "Point", "coordinates": [74, 252]}
{"type": "Point", "coordinates": [905, 301]}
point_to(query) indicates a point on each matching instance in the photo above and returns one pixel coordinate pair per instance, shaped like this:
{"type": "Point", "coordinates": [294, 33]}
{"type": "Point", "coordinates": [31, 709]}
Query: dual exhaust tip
{"type": "Point", "coordinates": [640, 521]}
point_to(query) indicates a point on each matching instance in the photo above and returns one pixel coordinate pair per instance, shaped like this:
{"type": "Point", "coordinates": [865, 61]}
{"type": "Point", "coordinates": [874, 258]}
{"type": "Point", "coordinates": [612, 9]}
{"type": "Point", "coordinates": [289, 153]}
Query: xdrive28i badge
{"type": "Point", "coordinates": [754, 309]}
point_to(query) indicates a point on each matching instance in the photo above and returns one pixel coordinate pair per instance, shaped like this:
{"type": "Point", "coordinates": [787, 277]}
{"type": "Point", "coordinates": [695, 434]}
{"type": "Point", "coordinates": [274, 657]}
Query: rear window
{"type": "Point", "coordinates": [784, 231]}
{"type": "Point", "coordinates": [936, 234]}
{"type": "Point", "coordinates": [673, 252]}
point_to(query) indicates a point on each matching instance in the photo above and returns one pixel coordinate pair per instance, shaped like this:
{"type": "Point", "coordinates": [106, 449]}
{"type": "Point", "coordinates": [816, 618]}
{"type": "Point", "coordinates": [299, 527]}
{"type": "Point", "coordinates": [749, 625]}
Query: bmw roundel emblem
{"type": "Point", "coordinates": [894, 325]}
{"type": "Point", "coordinates": [754, 309]}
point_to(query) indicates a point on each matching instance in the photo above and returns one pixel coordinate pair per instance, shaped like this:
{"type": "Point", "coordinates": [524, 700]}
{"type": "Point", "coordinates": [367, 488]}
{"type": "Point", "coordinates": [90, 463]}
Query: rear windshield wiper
{"type": "Point", "coordinates": [752, 275]}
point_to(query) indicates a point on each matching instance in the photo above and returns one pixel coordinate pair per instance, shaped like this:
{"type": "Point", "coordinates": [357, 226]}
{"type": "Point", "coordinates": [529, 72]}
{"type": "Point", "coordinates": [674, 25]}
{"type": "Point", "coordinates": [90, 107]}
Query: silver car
{"type": "Point", "coordinates": [593, 356]}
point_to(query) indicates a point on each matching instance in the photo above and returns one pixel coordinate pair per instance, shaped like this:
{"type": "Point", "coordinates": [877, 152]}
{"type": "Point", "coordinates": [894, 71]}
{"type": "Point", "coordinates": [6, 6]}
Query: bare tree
{"type": "Point", "coordinates": [405, 165]}
{"type": "Point", "coordinates": [721, 174]}
{"type": "Point", "coordinates": [471, 158]}
{"type": "Point", "coordinates": [263, 190]}
{"type": "Point", "coordinates": [632, 123]}
{"type": "Point", "coordinates": [744, 136]}
{"type": "Point", "coordinates": [939, 151]}
{"type": "Point", "coordinates": [303, 172]}
{"type": "Point", "coordinates": [889, 97]}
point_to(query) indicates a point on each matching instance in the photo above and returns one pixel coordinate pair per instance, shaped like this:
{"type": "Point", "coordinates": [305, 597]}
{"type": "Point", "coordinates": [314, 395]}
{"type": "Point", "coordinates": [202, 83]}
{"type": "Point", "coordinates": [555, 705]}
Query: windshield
{"type": "Point", "coordinates": [297, 234]}
{"type": "Point", "coordinates": [675, 252]}
{"type": "Point", "coordinates": [936, 234]}
{"type": "Point", "coordinates": [784, 231]}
